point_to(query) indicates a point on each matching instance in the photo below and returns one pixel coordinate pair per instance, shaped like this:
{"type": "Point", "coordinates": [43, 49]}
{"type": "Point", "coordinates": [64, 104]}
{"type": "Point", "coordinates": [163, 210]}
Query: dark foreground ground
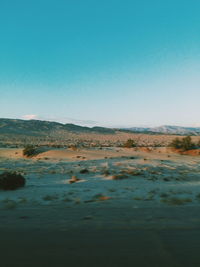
{"type": "Point", "coordinates": [151, 218]}
{"type": "Point", "coordinates": [100, 236]}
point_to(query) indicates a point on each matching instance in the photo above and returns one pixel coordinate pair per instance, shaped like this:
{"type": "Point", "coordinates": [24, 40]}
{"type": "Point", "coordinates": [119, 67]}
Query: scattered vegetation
{"type": "Point", "coordinates": [198, 143]}
{"type": "Point", "coordinates": [176, 143]}
{"type": "Point", "coordinates": [183, 144]}
{"type": "Point", "coordinates": [198, 196]}
{"type": "Point", "coordinates": [50, 197]}
{"type": "Point", "coordinates": [73, 179]}
{"type": "Point", "coordinates": [29, 151]}
{"type": "Point", "coordinates": [163, 195]}
{"type": "Point", "coordinates": [73, 147]}
{"type": "Point", "coordinates": [100, 197]}
{"type": "Point", "coordinates": [187, 143]}
{"type": "Point", "coordinates": [22, 200]}
{"type": "Point", "coordinates": [130, 143]}
{"type": "Point", "coordinates": [10, 204]}
{"type": "Point", "coordinates": [11, 181]}
{"type": "Point", "coordinates": [106, 172]}
{"type": "Point", "coordinates": [138, 198]}
{"type": "Point", "coordinates": [176, 201]}
{"type": "Point", "coordinates": [132, 172]}
{"type": "Point", "coordinates": [83, 171]}
{"type": "Point", "coordinates": [119, 177]}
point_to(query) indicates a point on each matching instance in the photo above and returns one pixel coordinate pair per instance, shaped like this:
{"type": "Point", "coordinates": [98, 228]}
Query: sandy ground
{"type": "Point", "coordinates": [90, 139]}
{"type": "Point", "coordinates": [129, 207]}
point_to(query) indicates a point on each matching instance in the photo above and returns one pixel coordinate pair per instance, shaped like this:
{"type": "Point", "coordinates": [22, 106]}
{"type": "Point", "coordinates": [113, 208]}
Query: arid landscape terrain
{"type": "Point", "coordinates": [99, 133]}
{"type": "Point", "coordinates": [139, 176]}
{"type": "Point", "coordinates": [93, 188]}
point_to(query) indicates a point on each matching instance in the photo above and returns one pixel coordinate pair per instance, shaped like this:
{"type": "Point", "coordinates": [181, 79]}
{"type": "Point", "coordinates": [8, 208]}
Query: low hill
{"type": "Point", "coordinates": [42, 128]}
{"type": "Point", "coordinates": [167, 129]}
{"type": "Point", "coordinates": [45, 128]}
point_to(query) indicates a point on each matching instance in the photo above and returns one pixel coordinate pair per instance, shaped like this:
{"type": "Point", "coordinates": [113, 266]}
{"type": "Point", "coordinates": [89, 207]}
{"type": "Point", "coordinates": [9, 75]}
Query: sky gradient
{"type": "Point", "coordinates": [112, 63]}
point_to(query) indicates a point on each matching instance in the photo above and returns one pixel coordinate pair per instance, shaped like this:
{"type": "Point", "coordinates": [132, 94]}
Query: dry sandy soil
{"type": "Point", "coordinates": [102, 207]}
{"type": "Point", "coordinates": [91, 140]}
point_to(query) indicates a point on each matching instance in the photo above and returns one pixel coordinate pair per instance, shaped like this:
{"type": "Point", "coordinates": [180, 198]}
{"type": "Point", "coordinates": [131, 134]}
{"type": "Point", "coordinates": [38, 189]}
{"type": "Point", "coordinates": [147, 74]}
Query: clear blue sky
{"type": "Point", "coordinates": [114, 62]}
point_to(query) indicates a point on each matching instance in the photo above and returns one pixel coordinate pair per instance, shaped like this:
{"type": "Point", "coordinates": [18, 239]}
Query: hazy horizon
{"type": "Point", "coordinates": [111, 63]}
{"type": "Point", "coordinates": [88, 123]}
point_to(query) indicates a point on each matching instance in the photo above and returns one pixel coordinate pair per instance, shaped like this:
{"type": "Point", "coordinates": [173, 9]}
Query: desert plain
{"type": "Point", "coordinates": [102, 206]}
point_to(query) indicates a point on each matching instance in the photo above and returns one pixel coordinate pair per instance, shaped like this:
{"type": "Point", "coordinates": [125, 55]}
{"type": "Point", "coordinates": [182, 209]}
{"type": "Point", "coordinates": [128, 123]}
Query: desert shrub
{"type": "Point", "coordinates": [11, 181]}
{"type": "Point", "coordinates": [74, 147]}
{"type": "Point", "coordinates": [73, 179]}
{"type": "Point", "coordinates": [198, 143]}
{"type": "Point", "coordinates": [176, 201]}
{"type": "Point", "coordinates": [84, 171]}
{"type": "Point", "coordinates": [184, 143]}
{"type": "Point", "coordinates": [176, 143]}
{"type": "Point", "coordinates": [130, 143]}
{"type": "Point", "coordinates": [187, 143]}
{"type": "Point", "coordinates": [119, 177]}
{"type": "Point", "coordinates": [29, 151]}
{"type": "Point", "coordinates": [50, 197]}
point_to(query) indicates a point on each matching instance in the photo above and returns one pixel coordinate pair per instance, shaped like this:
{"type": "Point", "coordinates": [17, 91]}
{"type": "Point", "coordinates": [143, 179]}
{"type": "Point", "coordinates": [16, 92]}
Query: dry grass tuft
{"type": "Point", "coordinates": [119, 177]}
{"type": "Point", "coordinates": [83, 171]}
{"type": "Point", "coordinates": [50, 197]}
{"type": "Point", "coordinates": [176, 201]}
{"type": "Point", "coordinates": [74, 179]}
{"type": "Point", "coordinates": [10, 204]}
{"type": "Point", "coordinates": [132, 172]}
{"type": "Point", "coordinates": [102, 198]}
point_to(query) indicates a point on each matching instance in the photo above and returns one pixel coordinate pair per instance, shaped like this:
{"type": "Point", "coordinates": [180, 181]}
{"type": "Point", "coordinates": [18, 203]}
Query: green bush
{"type": "Point", "coordinates": [130, 143]}
{"type": "Point", "coordinates": [187, 143]}
{"type": "Point", "coordinates": [183, 144]}
{"type": "Point", "coordinates": [11, 181]}
{"type": "Point", "coordinates": [198, 144]}
{"type": "Point", "coordinates": [176, 143]}
{"type": "Point", "coordinates": [29, 151]}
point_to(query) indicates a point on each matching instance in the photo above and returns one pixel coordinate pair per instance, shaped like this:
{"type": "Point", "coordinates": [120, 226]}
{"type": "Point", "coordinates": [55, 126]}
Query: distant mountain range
{"type": "Point", "coordinates": [42, 128]}
{"type": "Point", "coordinates": [167, 129]}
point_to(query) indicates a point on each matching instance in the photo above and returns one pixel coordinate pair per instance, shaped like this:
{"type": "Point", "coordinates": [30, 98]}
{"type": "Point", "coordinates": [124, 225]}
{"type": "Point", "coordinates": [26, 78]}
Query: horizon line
{"type": "Point", "coordinates": [99, 125]}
